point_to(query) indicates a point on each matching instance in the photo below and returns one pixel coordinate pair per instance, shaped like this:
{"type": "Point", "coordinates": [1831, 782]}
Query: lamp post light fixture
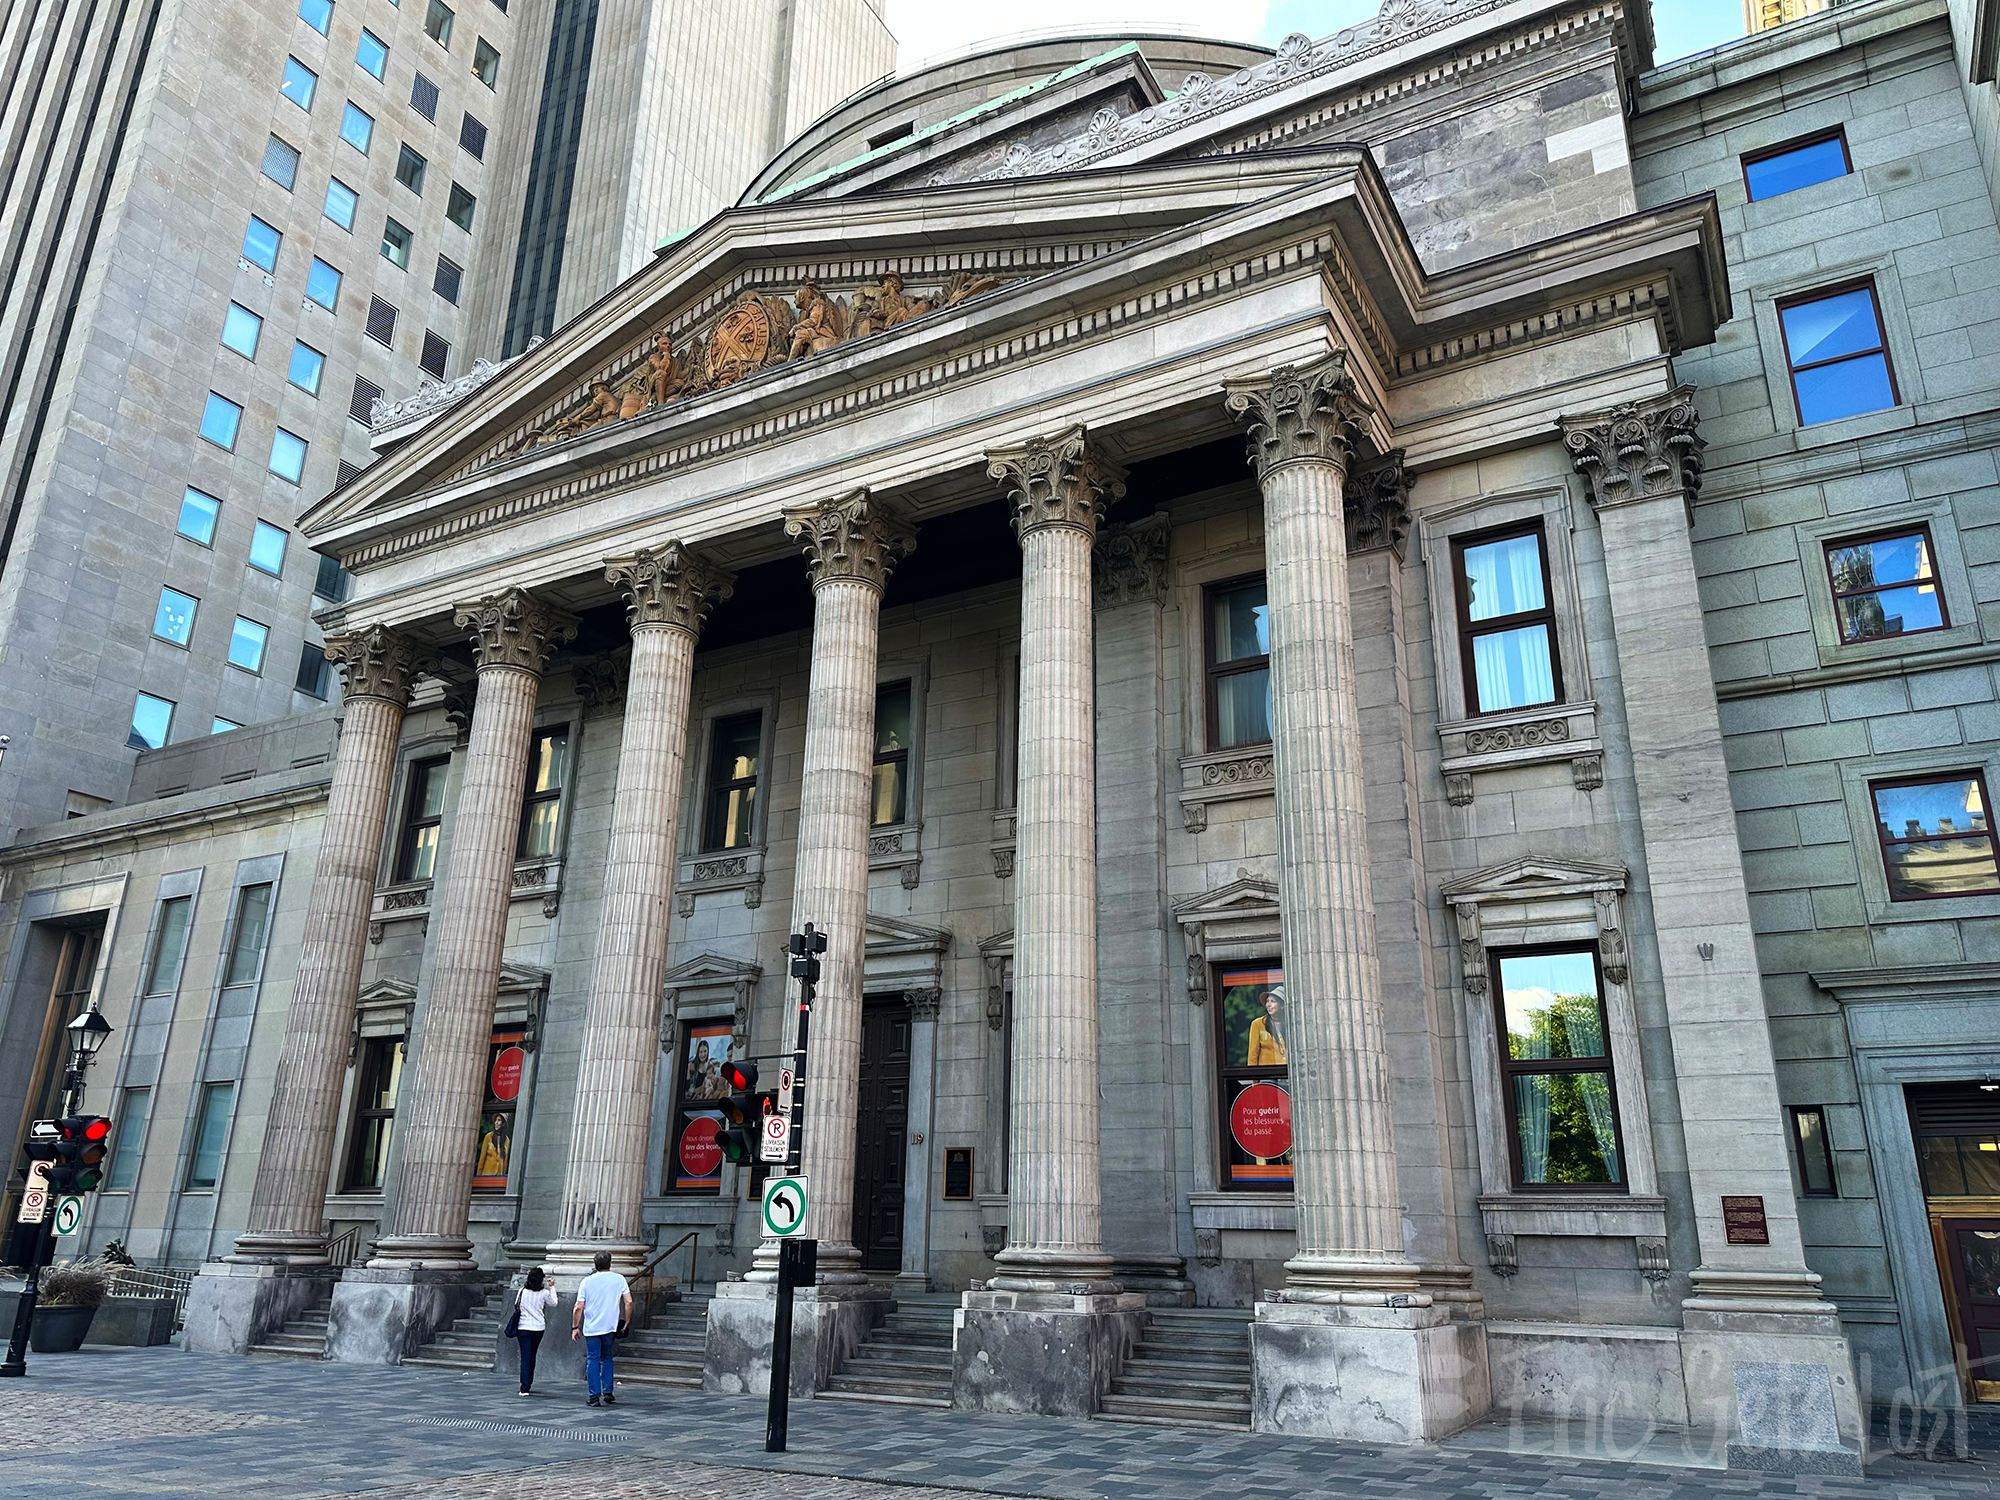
{"type": "Point", "coordinates": [87, 1035]}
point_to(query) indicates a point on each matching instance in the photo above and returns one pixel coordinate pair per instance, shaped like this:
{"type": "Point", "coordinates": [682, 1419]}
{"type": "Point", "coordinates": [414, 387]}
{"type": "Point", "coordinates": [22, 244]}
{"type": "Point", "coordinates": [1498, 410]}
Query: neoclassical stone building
{"type": "Point", "coordinates": [1189, 582]}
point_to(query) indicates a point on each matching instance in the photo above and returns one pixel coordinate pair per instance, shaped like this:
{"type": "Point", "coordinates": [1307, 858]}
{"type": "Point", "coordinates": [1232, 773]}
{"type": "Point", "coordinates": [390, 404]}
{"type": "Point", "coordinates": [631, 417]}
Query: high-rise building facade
{"type": "Point", "coordinates": [230, 228]}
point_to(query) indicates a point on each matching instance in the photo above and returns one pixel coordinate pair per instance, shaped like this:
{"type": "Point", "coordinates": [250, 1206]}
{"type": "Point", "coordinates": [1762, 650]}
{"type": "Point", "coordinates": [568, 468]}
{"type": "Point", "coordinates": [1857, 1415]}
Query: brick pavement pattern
{"type": "Point", "coordinates": [650, 1479]}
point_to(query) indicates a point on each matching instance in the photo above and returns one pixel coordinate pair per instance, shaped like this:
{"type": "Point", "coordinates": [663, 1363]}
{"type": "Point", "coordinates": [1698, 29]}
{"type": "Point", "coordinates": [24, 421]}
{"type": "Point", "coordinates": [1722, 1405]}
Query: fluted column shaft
{"type": "Point", "coordinates": [669, 594]}
{"type": "Point", "coordinates": [288, 1201]}
{"type": "Point", "coordinates": [515, 636]}
{"type": "Point", "coordinates": [1055, 1204]}
{"type": "Point", "coordinates": [1350, 1237]}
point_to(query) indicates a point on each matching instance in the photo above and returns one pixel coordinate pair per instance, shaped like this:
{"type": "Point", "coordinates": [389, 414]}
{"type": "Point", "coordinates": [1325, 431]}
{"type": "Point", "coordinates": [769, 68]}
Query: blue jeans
{"type": "Point", "coordinates": [530, 1341]}
{"type": "Point", "coordinates": [597, 1350]}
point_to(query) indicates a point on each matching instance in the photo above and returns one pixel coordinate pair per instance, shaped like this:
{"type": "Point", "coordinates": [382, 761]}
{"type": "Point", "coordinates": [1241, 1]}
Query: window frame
{"type": "Point", "coordinates": [263, 647]}
{"type": "Point", "coordinates": [151, 981]}
{"type": "Point", "coordinates": [1212, 670]}
{"type": "Point", "coordinates": [285, 79]}
{"type": "Point", "coordinates": [214, 517]}
{"type": "Point", "coordinates": [1976, 774]}
{"type": "Point", "coordinates": [128, 1148]}
{"type": "Point", "coordinates": [367, 1075]}
{"type": "Point", "coordinates": [451, 202]}
{"type": "Point", "coordinates": [277, 244]}
{"type": "Point", "coordinates": [1227, 1073]}
{"type": "Point", "coordinates": [391, 226]}
{"type": "Point", "coordinates": [367, 144]}
{"type": "Point", "coordinates": [492, 52]}
{"type": "Point", "coordinates": [1780, 305]}
{"type": "Point", "coordinates": [1470, 630]}
{"type": "Point", "coordinates": [1510, 1068]}
{"type": "Point", "coordinates": [292, 365]}
{"type": "Point", "coordinates": [256, 331]}
{"type": "Point", "coordinates": [353, 205]}
{"type": "Point", "coordinates": [531, 799]}
{"type": "Point", "coordinates": [1793, 1113]}
{"type": "Point", "coordinates": [368, 35]}
{"type": "Point", "coordinates": [206, 1092]}
{"type": "Point", "coordinates": [233, 946]}
{"type": "Point", "coordinates": [1797, 143]}
{"type": "Point", "coordinates": [405, 155]}
{"type": "Point", "coordinates": [236, 427]}
{"type": "Point", "coordinates": [1891, 533]}
{"type": "Point", "coordinates": [715, 786]}
{"type": "Point", "coordinates": [278, 438]}
{"type": "Point", "coordinates": [193, 612]}
{"type": "Point", "coordinates": [257, 530]}
{"type": "Point", "coordinates": [900, 757]}
{"type": "Point", "coordinates": [339, 277]}
{"type": "Point", "coordinates": [166, 730]}
{"type": "Point", "coordinates": [414, 821]}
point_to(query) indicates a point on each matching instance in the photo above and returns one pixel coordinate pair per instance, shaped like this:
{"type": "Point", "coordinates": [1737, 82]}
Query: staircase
{"type": "Point", "coordinates": [669, 1353]}
{"type": "Point", "coordinates": [302, 1338]}
{"type": "Point", "coordinates": [904, 1361]}
{"type": "Point", "coordinates": [468, 1345]}
{"type": "Point", "coordinates": [1191, 1368]}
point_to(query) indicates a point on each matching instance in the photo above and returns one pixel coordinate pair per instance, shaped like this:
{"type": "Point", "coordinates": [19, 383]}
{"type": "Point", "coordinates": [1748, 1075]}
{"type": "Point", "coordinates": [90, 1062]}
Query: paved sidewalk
{"type": "Point", "coordinates": [166, 1423]}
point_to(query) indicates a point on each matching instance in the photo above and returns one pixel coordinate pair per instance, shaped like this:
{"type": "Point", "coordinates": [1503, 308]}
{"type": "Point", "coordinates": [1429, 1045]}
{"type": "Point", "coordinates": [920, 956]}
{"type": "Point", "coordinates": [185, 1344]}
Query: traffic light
{"type": "Point", "coordinates": [742, 1113]}
{"type": "Point", "coordinates": [79, 1153]}
{"type": "Point", "coordinates": [805, 948]}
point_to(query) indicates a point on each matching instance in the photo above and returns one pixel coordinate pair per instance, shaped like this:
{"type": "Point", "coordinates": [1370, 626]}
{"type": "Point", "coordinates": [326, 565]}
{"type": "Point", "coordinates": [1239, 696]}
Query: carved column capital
{"type": "Point", "coordinates": [669, 586]}
{"type": "Point", "coordinates": [1056, 481]}
{"type": "Point", "coordinates": [1378, 504]}
{"type": "Point", "coordinates": [375, 662]}
{"type": "Point", "coordinates": [924, 1002]}
{"type": "Point", "coordinates": [1129, 563]}
{"type": "Point", "coordinates": [1308, 411]}
{"type": "Point", "coordinates": [601, 680]}
{"type": "Point", "coordinates": [513, 628]}
{"type": "Point", "coordinates": [856, 538]}
{"type": "Point", "coordinates": [1638, 451]}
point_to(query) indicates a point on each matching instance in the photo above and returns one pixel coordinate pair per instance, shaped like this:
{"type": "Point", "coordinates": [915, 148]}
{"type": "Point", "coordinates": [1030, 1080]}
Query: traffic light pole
{"type": "Point", "coordinates": [24, 1310]}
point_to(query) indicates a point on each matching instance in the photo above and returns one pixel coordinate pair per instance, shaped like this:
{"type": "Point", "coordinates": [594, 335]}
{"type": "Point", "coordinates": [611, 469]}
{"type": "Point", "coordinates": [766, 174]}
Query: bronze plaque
{"type": "Point", "coordinates": [958, 1173]}
{"type": "Point", "coordinates": [1743, 1221]}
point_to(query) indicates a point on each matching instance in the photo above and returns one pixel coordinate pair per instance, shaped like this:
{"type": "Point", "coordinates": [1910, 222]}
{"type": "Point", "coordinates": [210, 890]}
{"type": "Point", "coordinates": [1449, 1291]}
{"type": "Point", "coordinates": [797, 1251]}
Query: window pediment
{"type": "Point", "coordinates": [1532, 876]}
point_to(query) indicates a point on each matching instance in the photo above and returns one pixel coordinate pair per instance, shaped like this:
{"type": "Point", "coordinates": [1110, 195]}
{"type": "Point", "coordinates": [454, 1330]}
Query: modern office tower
{"type": "Point", "coordinates": [226, 229]}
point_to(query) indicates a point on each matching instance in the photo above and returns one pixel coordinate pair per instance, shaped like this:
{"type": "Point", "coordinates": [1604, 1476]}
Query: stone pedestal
{"type": "Point", "coordinates": [1045, 1354]}
{"type": "Point", "coordinates": [1368, 1373]}
{"type": "Point", "coordinates": [559, 1362]}
{"type": "Point", "coordinates": [828, 1324]}
{"type": "Point", "coordinates": [382, 1313]}
{"type": "Point", "coordinates": [234, 1304]}
{"type": "Point", "coordinates": [1781, 1384]}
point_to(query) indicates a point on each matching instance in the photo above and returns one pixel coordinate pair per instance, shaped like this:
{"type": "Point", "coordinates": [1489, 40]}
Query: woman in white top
{"type": "Point", "coordinates": [534, 1303]}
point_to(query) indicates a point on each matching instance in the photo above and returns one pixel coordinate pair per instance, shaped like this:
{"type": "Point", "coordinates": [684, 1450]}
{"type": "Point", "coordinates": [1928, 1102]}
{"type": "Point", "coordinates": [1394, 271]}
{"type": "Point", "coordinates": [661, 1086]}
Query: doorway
{"type": "Point", "coordinates": [1957, 1129]}
{"type": "Point", "coordinates": [881, 1134]}
{"type": "Point", "coordinates": [74, 951]}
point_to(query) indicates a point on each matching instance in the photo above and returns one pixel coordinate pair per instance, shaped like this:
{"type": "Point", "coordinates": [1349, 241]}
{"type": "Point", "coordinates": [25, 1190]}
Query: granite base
{"type": "Point", "coordinates": [828, 1324]}
{"type": "Point", "coordinates": [1782, 1386]}
{"type": "Point", "coordinates": [380, 1314]}
{"type": "Point", "coordinates": [1366, 1373]}
{"type": "Point", "coordinates": [234, 1304]}
{"type": "Point", "coordinates": [1041, 1353]}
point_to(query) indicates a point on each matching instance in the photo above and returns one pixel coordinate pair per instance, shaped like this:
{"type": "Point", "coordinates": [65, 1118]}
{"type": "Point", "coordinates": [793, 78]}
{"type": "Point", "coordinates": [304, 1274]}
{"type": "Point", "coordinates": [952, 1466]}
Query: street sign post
{"type": "Point", "coordinates": [798, 1265]}
{"type": "Point", "coordinates": [786, 1207]}
{"type": "Point", "coordinates": [777, 1139]}
{"type": "Point", "coordinates": [35, 1199]}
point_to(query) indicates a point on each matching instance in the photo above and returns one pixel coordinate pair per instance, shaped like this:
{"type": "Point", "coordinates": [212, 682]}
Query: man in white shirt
{"type": "Point", "coordinates": [603, 1304]}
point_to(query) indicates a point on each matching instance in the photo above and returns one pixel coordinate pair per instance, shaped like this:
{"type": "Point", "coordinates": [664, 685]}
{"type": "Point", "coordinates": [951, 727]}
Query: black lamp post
{"type": "Point", "coordinates": [87, 1035]}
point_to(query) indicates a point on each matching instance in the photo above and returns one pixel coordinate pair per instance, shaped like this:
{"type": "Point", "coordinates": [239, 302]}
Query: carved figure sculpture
{"type": "Point", "coordinates": [635, 394]}
{"type": "Point", "coordinates": [883, 306]}
{"type": "Point", "coordinates": [820, 325]}
{"type": "Point", "coordinates": [664, 375]}
{"type": "Point", "coordinates": [965, 286]}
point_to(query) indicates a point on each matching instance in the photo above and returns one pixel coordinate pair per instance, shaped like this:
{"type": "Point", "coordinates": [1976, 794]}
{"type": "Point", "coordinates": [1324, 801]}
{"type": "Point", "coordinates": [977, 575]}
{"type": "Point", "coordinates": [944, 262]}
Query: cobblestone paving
{"type": "Point", "coordinates": [184, 1424]}
{"type": "Point", "coordinates": [38, 1421]}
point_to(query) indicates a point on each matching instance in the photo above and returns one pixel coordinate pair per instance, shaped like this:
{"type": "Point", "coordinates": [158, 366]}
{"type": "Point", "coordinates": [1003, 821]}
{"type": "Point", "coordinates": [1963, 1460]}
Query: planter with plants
{"type": "Point", "coordinates": [71, 1294]}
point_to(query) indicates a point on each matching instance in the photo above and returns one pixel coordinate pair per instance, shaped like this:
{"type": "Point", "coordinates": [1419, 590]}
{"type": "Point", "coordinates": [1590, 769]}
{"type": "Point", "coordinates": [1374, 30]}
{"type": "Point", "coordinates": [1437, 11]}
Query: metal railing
{"type": "Point", "coordinates": [692, 1239]}
{"type": "Point", "coordinates": [340, 1252]}
{"type": "Point", "coordinates": [155, 1281]}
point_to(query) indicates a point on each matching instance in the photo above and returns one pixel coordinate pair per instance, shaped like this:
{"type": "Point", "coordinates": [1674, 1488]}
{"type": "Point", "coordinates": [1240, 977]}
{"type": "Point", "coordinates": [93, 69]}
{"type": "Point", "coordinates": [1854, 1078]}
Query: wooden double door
{"type": "Point", "coordinates": [882, 1134]}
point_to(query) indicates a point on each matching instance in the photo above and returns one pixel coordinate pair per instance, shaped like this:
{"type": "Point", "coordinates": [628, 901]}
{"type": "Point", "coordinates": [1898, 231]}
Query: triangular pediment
{"type": "Point", "coordinates": [1000, 945]}
{"type": "Point", "coordinates": [1535, 874]}
{"type": "Point", "coordinates": [386, 992]}
{"type": "Point", "coordinates": [888, 935]}
{"type": "Point", "coordinates": [712, 968]}
{"type": "Point", "coordinates": [520, 978]}
{"type": "Point", "coordinates": [1246, 896]}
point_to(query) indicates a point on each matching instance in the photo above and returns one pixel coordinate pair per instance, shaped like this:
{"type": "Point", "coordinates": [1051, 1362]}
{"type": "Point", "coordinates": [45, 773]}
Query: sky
{"type": "Point", "coordinates": [932, 28]}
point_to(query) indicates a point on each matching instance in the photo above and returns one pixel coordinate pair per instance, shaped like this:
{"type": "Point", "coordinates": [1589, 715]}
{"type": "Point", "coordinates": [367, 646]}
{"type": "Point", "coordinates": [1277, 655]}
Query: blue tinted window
{"type": "Point", "coordinates": [372, 53]}
{"type": "Point", "coordinates": [246, 645]}
{"type": "Point", "coordinates": [267, 547]}
{"type": "Point", "coordinates": [151, 719]}
{"type": "Point", "coordinates": [240, 328]}
{"type": "Point", "coordinates": [357, 128]}
{"type": "Point", "coordinates": [174, 619]}
{"type": "Point", "coordinates": [1797, 167]}
{"type": "Point", "coordinates": [288, 455]}
{"type": "Point", "coordinates": [1885, 586]}
{"type": "Point", "coordinates": [317, 14]}
{"type": "Point", "coordinates": [1839, 367]}
{"type": "Point", "coordinates": [307, 366]}
{"type": "Point", "coordinates": [299, 83]}
{"type": "Point", "coordinates": [260, 244]}
{"type": "Point", "coordinates": [341, 201]}
{"type": "Point", "coordinates": [198, 511]}
{"type": "Point", "coordinates": [222, 726]}
{"type": "Point", "coordinates": [220, 420]}
{"type": "Point", "coordinates": [323, 284]}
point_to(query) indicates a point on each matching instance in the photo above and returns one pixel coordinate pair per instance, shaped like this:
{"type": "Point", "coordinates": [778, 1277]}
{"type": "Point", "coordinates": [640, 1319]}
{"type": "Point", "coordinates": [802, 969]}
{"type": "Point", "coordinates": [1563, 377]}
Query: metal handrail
{"type": "Point", "coordinates": [645, 1272]}
{"type": "Point", "coordinates": [341, 1252]}
{"type": "Point", "coordinates": [171, 1282]}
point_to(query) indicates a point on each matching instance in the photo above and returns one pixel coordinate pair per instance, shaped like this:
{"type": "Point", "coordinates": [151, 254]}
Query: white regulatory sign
{"type": "Point", "coordinates": [35, 1197]}
{"type": "Point", "coordinates": [777, 1143]}
{"type": "Point", "coordinates": [69, 1213]}
{"type": "Point", "coordinates": [784, 1091]}
{"type": "Point", "coordinates": [785, 1206]}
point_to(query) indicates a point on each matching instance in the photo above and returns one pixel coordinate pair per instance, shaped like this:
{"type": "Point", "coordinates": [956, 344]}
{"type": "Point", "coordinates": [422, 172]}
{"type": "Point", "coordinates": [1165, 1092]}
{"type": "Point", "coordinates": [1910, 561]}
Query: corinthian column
{"type": "Point", "coordinates": [288, 1202]}
{"type": "Point", "coordinates": [668, 596]}
{"type": "Point", "coordinates": [851, 546]}
{"type": "Point", "coordinates": [513, 636]}
{"type": "Point", "coordinates": [1056, 488]}
{"type": "Point", "coordinates": [1303, 422]}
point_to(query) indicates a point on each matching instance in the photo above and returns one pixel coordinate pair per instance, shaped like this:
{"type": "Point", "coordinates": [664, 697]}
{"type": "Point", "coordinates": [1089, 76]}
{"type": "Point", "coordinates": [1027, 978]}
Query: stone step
{"type": "Point", "coordinates": [928, 1337]}
{"type": "Point", "coordinates": [289, 1351]}
{"type": "Point", "coordinates": [873, 1398]}
{"type": "Point", "coordinates": [315, 1315]}
{"type": "Point", "coordinates": [658, 1369]}
{"type": "Point", "coordinates": [660, 1381]}
{"type": "Point", "coordinates": [449, 1359]}
{"type": "Point", "coordinates": [1180, 1388]}
{"type": "Point", "coordinates": [1198, 1334]}
{"type": "Point", "coordinates": [1200, 1315]}
{"type": "Point", "coordinates": [1135, 1419]}
{"type": "Point", "coordinates": [888, 1369]}
{"type": "Point", "coordinates": [1203, 1366]}
{"type": "Point", "coordinates": [916, 1359]}
{"type": "Point", "coordinates": [314, 1341]}
{"type": "Point", "coordinates": [1206, 1413]}
{"type": "Point", "coordinates": [921, 1383]}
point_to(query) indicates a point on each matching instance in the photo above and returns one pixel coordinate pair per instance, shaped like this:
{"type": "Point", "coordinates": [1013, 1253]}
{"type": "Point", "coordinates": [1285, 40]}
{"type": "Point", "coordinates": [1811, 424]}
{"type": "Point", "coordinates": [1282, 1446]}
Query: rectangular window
{"type": "Point", "coordinates": [506, 1062]}
{"type": "Point", "coordinates": [246, 644]}
{"type": "Point", "coordinates": [372, 53]}
{"type": "Point", "coordinates": [1813, 1152]}
{"type": "Point", "coordinates": [424, 98]}
{"type": "Point", "coordinates": [1252, 1035]}
{"type": "Point", "coordinates": [1239, 665]}
{"type": "Point", "coordinates": [437, 23]}
{"type": "Point", "coordinates": [267, 548]}
{"type": "Point", "coordinates": [246, 940]}
{"type": "Point", "coordinates": [317, 14]}
{"type": "Point", "coordinates": [410, 169]}
{"type": "Point", "coordinates": [260, 244]}
{"type": "Point", "coordinates": [1785, 169]}
{"type": "Point", "coordinates": [220, 725]}
{"type": "Point", "coordinates": [220, 421]}
{"type": "Point", "coordinates": [1506, 622]}
{"type": "Point", "coordinates": [423, 816]}
{"type": "Point", "coordinates": [892, 753]}
{"type": "Point", "coordinates": [341, 203]}
{"type": "Point", "coordinates": [357, 127]}
{"type": "Point", "coordinates": [152, 718]}
{"type": "Point", "coordinates": [163, 972]}
{"type": "Point", "coordinates": [1833, 344]}
{"type": "Point", "coordinates": [381, 325]}
{"type": "Point", "coordinates": [450, 276]}
{"type": "Point", "coordinates": [381, 1079]}
{"type": "Point", "coordinates": [541, 808]}
{"type": "Point", "coordinates": [299, 83]}
{"type": "Point", "coordinates": [459, 206]}
{"type": "Point", "coordinates": [174, 619]}
{"type": "Point", "coordinates": [1936, 836]}
{"type": "Point", "coordinates": [241, 329]}
{"type": "Point", "coordinates": [694, 1166]}
{"type": "Point", "coordinates": [281, 163]}
{"type": "Point", "coordinates": [732, 781]}
{"type": "Point", "coordinates": [486, 63]}
{"type": "Point", "coordinates": [288, 455]}
{"type": "Point", "coordinates": [211, 1130]}
{"type": "Point", "coordinates": [198, 512]}
{"type": "Point", "coordinates": [331, 584]}
{"type": "Point", "coordinates": [128, 1137]}
{"type": "Point", "coordinates": [323, 284]}
{"type": "Point", "coordinates": [436, 353]}
{"type": "Point", "coordinates": [361, 405]}
{"type": "Point", "coordinates": [313, 671]}
{"type": "Point", "coordinates": [396, 240]}
{"type": "Point", "coordinates": [472, 137]}
{"type": "Point", "coordinates": [307, 368]}
{"type": "Point", "coordinates": [1885, 585]}
{"type": "Point", "coordinates": [1556, 1071]}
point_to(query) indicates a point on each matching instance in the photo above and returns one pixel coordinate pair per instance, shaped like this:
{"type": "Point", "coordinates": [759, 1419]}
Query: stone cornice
{"type": "Point", "coordinates": [1129, 563]}
{"type": "Point", "coordinates": [514, 629]}
{"type": "Point", "coordinates": [1300, 413]}
{"type": "Point", "coordinates": [375, 662]}
{"type": "Point", "coordinates": [175, 822]}
{"type": "Point", "coordinates": [670, 585]}
{"type": "Point", "coordinates": [1059, 480]}
{"type": "Point", "coordinates": [1639, 451]}
{"type": "Point", "coordinates": [855, 539]}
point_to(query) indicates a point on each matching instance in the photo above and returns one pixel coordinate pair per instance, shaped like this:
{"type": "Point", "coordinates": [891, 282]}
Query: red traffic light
{"type": "Point", "coordinates": [740, 1076]}
{"type": "Point", "coordinates": [97, 1129]}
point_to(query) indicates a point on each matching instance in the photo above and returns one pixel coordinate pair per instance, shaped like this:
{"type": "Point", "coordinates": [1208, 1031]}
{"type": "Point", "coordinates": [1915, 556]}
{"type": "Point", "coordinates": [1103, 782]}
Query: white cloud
{"type": "Point", "coordinates": [932, 28]}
